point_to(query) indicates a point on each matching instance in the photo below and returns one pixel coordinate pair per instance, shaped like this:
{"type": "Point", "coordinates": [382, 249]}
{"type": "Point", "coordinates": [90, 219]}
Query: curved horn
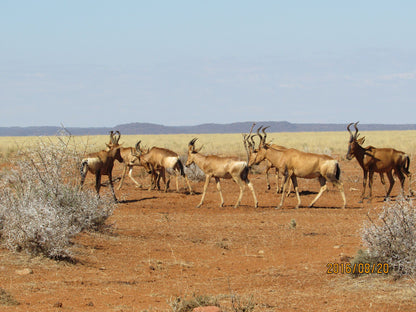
{"type": "Point", "coordinates": [137, 147]}
{"type": "Point", "coordinates": [117, 138]}
{"type": "Point", "coordinates": [258, 133]}
{"type": "Point", "coordinates": [192, 144]}
{"type": "Point", "coordinates": [111, 137]}
{"type": "Point", "coordinates": [265, 134]}
{"type": "Point", "coordinates": [356, 130]}
{"type": "Point", "coordinates": [349, 130]}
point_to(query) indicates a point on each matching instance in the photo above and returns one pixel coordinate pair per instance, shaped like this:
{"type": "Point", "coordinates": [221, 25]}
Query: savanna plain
{"type": "Point", "coordinates": [159, 249]}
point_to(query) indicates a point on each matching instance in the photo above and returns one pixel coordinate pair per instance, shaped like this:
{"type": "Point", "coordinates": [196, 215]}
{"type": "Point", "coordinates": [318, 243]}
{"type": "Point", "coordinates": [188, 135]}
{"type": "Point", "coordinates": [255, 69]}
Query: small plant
{"type": "Point", "coordinates": [6, 299]}
{"type": "Point", "coordinates": [242, 304]}
{"type": "Point", "coordinates": [223, 244]}
{"type": "Point", "coordinates": [41, 204]}
{"type": "Point", "coordinates": [187, 304]}
{"type": "Point", "coordinates": [292, 224]}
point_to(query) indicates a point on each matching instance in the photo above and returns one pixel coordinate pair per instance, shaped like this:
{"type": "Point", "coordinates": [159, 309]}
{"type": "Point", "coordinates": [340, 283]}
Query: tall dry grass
{"type": "Point", "coordinates": [334, 143]}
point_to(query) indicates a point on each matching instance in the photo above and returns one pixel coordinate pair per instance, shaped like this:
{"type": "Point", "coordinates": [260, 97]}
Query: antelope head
{"type": "Point", "coordinates": [354, 141]}
{"type": "Point", "coordinates": [248, 142]}
{"type": "Point", "coordinates": [259, 154]}
{"type": "Point", "coordinates": [192, 152]}
{"type": "Point", "coordinates": [114, 139]}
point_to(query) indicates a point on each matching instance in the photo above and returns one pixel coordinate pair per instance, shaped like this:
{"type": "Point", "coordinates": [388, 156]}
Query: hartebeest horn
{"type": "Point", "coordinates": [117, 138]}
{"type": "Point", "coordinates": [111, 137]}
{"type": "Point", "coordinates": [260, 136]}
{"type": "Point", "coordinates": [349, 130]}
{"type": "Point", "coordinates": [356, 130]}
{"type": "Point", "coordinates": [137, 147]}
{"type": "Point", "coordinates": [191, 144]}
{"type": "Point", "coordinates": [265, 134]}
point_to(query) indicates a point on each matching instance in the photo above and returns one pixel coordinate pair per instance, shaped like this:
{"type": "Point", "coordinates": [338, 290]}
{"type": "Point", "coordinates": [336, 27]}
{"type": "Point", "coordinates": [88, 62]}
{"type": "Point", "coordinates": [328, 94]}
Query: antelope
{"type": "Point", "coordinates": [101, 163]}
{"type": "Point", "coordinates": [295, 163]}
{"type": "Point", "coordinates": [156, 172]}
{"type": "Point", "coordinates": [132, 157]}
{"type": "Point", "coordinates": [269, 165]}
{"type": "Point", "coordinates": [381, 160]}
{"type": "Point", "coordinates": [161, 159]}
{"type": "Point", "coordinates": [220, 168]}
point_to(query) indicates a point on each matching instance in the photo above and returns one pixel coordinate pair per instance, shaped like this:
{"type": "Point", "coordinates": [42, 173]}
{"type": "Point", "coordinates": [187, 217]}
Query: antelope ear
{"type": "Point", "coordinates": [361, 140]}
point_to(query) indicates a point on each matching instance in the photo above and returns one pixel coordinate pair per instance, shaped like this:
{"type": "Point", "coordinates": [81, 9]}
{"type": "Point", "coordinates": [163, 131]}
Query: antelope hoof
{"type": "Point", "coordinates": [279, 207]}
{"type": "Point", "coordinates": [256, 205]}
{"type": "Point", "coordinates": [198, 206]}
{"type": "Point", "coordinates": [268, 187]}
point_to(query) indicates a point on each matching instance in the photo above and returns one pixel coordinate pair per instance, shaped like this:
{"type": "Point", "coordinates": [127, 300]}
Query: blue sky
{"type": "Point", "coordinates": [103, 63]}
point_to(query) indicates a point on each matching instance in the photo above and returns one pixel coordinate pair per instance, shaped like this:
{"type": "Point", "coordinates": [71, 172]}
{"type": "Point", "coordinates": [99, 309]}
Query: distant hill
{"type": "Point", "coordinates": [236, 127]}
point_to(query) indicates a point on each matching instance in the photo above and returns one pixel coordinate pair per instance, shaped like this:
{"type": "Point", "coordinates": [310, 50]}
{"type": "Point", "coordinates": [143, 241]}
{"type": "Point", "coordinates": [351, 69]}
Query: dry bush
{"type": "Point", "coordinates": [188, 303]}
{"type": "Point", "coordinates": [232, 302]}
{"type": "Point", "coordinates": [41, 204]}
{"type": "Point", "coordinates": [193, 172]}
{"type": "Point", "coordinates": [391, 237]}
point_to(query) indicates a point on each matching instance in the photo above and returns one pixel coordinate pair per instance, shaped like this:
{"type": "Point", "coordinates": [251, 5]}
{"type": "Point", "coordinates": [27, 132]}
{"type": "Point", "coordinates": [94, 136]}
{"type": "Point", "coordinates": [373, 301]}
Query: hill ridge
{"type": "Point", "coordinates": [235, 127]}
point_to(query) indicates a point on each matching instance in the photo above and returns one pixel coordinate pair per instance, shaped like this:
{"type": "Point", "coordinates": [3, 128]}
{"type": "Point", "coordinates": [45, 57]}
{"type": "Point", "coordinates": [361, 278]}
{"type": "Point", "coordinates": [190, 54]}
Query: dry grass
{"type": "Point", "coordinates": [231, 144]}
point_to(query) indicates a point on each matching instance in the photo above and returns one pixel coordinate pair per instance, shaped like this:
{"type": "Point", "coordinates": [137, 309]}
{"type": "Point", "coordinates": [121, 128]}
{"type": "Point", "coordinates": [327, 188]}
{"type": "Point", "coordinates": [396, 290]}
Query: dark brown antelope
{"type": "Point", "coordinates": [380, 160]}
{"type": "Point", "coordinates": [295, 163]}
{"type": "Point", "coordinates": [101, 163]}
{"type": "Point", "coordinates": [220, 167]}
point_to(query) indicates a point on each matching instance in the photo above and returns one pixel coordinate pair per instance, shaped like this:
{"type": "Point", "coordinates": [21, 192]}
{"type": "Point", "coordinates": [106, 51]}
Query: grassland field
{"type": "Point", "coordinates": [331, 143]}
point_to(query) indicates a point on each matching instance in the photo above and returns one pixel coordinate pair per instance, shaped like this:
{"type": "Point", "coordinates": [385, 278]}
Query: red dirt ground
{"type": "Point", "coordinates": [161, 247]}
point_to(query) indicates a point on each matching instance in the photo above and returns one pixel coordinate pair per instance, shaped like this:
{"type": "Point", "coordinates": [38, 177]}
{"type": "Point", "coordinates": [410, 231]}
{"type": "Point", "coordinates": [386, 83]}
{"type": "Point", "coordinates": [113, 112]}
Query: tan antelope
{"type": "Point", "coordinates": [220, 167]}
{"type": "Point", "coordinates": [295, 163]}
{"type": "Point", "coordinates": [101, 163]}
{"type": "Point", "coordinates": [163, 160]}
{"type": "Point", "coordinates": [381, 160]}
{"type": "Point", "coordinates": [129, 156]}
{"type": "Point", "coordinates": [269, 165]}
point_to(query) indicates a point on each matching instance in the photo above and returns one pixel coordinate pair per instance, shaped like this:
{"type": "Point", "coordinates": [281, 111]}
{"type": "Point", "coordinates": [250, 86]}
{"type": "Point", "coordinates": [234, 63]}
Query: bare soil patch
{"type": "Point", "coordinates": [160, 247]}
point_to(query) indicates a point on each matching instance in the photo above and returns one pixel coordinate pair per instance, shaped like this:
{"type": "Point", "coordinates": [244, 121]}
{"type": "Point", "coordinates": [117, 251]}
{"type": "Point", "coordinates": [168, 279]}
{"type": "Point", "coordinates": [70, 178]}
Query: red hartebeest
{"type": "Point", "coordinates": [162, 160]}
{"type": "Point", "coordinates": [295, 163]}
{"type": "Point", "coordinates": [221, 167]}
{"type": "Point", "coordinates": [101, 163]}
{"type": "Point", "coordinates": [131, 158]}
{"type": "Point", "coordinates": [381, 160]}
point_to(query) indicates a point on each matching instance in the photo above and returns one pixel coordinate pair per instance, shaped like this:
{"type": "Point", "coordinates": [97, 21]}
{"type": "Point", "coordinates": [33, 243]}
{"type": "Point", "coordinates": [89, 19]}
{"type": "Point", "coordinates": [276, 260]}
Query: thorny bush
{"type": "Point", "coordinates": [41, 204]}
{"type": "Point", "coordinates": [391, 237]}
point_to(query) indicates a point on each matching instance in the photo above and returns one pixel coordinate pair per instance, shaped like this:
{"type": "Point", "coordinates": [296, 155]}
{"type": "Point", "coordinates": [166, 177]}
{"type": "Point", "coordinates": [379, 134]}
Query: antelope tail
{"type": "Point", "coordinates": [338, 172]}
{"type": "Point", "coordinates": [406, 165]}
{"type": "Point", "coordinates": [244, 173]}
{"type": "Point", "coordinates": [84, 168]}
{"type": "Point", "coordinates": [180, 166]}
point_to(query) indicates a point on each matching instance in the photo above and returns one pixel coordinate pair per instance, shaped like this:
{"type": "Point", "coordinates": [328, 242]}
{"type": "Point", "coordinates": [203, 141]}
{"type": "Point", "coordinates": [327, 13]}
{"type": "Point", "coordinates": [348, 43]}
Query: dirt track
{"type": "Point", "coordinates": [161, 247]}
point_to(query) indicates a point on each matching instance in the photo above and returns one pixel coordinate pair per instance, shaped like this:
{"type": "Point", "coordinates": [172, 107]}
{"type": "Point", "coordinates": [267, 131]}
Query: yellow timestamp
{"type": "Point", "coordinates": [357, 268]}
